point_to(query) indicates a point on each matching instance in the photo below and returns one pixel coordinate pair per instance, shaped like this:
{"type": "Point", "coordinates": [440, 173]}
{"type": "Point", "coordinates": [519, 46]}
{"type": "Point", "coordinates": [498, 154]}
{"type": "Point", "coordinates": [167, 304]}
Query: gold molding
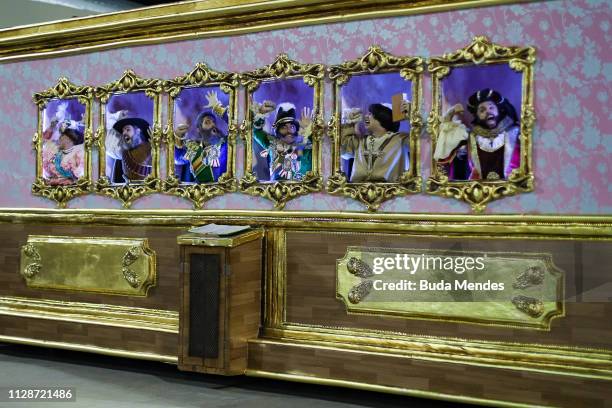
{"type": "Point", "coordinates": [61, 194]}
{"type": "Point", "coordinates": [128, 192]}
{"type": "Point", "coordinates": [478, 193]}
{"type": "Point", "coordinates": [202, 19]}
{"type": "Point", "coordinates": [201, 76]}
{"type": "Point", "coordinates": [139, 355]}
{"type": "Point", "coordinates": [91, 313]}
{"type": "Point", "coordinates": [214, 241]}
{"type": "Point", "coordinates": [375, 60]}
{"type": "Point", "coordinates": [281, 192]}
{"type": "Point", "coordinates": [379, 388]}
{"type": "Point", "coordinates": [559, 360]}
{"type": "Point", "coordinates": [508, 226]}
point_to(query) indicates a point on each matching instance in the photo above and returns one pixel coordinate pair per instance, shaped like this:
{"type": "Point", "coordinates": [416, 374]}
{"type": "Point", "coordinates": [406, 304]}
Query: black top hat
{"type": "Point", "coordinates": [286, 114]}
{"type": "Point", "coordinates": [142, 124]}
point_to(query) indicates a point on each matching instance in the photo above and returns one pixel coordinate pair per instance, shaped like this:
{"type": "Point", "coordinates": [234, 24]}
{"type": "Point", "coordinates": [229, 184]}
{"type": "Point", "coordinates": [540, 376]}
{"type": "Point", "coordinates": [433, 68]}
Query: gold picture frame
{"type": "Point", "coordinates": [63, 90]}
{"type": "Point", "coordinates": [376, 61]}
{"type": "Point", "coordinates": [283, 68]}
{"type": "Point", "coordinates": [482, 52]}
{"type": "Point", "coordinates": [128, 192]}
{"type": "Point", "coordinates": [201, 76]}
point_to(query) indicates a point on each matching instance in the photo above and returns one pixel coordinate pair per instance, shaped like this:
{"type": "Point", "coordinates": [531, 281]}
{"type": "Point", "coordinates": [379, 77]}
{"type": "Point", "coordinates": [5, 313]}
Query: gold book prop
{"type": "Point", "coordinates": [115, 266]}
{"type": "Point", "coordinates": [493, 288]}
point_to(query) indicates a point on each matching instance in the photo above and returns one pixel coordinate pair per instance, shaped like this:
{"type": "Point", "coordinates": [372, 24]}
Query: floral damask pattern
{"type": "Point", "coordinates": [572, 145]}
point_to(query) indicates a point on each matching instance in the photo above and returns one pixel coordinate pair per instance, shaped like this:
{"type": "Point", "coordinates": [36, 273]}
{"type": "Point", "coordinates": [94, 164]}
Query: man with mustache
{"type": "Point", "coordinates": [135, 150]}
{"type": "Point", "coordinates": [490, 150]}
{"type": "Point", "coordinates": [207, 152]}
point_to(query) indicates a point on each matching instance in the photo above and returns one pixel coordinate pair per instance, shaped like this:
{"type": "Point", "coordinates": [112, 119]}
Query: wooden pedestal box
{"type": "Point", "coordinates": [220, 301]}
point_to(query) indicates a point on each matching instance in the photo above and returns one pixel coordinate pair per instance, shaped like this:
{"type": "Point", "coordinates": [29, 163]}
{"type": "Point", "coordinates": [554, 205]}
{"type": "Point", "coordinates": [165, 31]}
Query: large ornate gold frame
{"type": "Point", "coordinates": [478, 193]}
{"type": "Point", "coordinates": [376, 61]}
{"type": "Point", "coordinates": [281, 192]}
{"type": "Point", "coordinates": [64, 89]}
{"type": "Point", "coordinates": [201, 76]}
{"type": "Point", "coordinates": [128, 192]}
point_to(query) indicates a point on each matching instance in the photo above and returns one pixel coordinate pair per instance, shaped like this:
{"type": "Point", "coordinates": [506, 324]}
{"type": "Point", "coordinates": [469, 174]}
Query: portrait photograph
{"type": "Point", "coordinates": [63, 152]}
{"type": "Point", "coordinates": [129, 119]}
{"type": "Point", "coordinates": [201, 127]}
{"type": "Point", "coordinates": [480, 125]}
{"type": "Point", "coordinates": [282, 119]}
{"type": "Point", "coordinates": [375, 127]}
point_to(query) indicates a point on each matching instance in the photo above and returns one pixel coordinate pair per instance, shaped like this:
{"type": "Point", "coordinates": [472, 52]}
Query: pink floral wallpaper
{"type": "Point", "coordinates": [572, 144]}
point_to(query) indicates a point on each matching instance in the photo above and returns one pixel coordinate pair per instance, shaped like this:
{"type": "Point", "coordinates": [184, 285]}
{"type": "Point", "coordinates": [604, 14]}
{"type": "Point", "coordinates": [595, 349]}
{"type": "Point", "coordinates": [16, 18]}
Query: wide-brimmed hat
{"type": "Point", "coordinates": [505, 108]}
{"type": "Point", "coordinates": [142, 124]}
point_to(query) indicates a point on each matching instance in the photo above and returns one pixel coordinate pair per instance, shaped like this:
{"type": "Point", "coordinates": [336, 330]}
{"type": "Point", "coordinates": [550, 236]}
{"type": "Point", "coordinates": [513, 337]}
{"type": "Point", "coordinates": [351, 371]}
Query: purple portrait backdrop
{"type": "Point", "coordinates": [75, 110]}
{"type": "Point", "coordinates": [137, 105]}
{"type": "Point", "coordinates": [295, 91]}
{"type": "Point", "coordinates": [363, 90]}
{"type": "Point", "coordinates": [462, 82]}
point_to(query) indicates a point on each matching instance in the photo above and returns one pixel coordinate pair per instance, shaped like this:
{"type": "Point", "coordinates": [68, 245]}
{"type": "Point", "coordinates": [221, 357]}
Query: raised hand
{"type": "Point", "coordinates": [212, 99]}
{"type": "Point", "coordinates": [267, 107]}
{"type": "Point", "coordinates": [354, 116]}
{"type": "Point", "coordinates": [307, 117]}
{"type": "Point", "coordinates": [405, 107]}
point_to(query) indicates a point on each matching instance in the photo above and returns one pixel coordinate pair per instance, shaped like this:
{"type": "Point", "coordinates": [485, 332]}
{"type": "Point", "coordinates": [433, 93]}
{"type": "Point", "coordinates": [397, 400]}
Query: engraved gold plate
{"type": "Point", "coordinates": [498, 288]}
{"type": "Point", "coordinates": [114, 266]}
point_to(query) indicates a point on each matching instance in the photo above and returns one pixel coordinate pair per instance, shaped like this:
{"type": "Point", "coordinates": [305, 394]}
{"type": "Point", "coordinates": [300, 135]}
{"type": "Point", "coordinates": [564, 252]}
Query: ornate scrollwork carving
{"type": "Point", "coordinates": [279, 192]}
{"type": "Point", "coordinates": [359, 268]}
{"type": "Point", "coordinates": [61, 194]}
{"type": "Point", "coordinates": [200, 193]}
{"type": "Point", "coordinates": [375, 60]}
{"type": "Point", "coordinates": [478, 193]}
{"type": "Point", "coordinates": [129, 82]}
{"type": "Point", "coordinates": [129, 258]}
{"type": "Point", "coordinates": [360, 291]}
{"type": "Point", "coordinates": [127, 193]}
{"type": "Point", "coordinates": [528, 305]}
{"type": "Point", "coordinates": [34, 267]}
{"type": "Point", "coordinates": [533, 276]}
{"type": "Point", "coordinates": [283, 67]}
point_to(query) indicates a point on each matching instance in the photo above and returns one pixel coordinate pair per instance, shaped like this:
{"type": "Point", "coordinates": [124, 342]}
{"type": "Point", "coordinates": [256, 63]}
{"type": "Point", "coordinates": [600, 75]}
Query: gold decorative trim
{"type": "Point", "coordinates": [139, 355]}
{"type": "Point", "coordinates": [375, 61]}
{"type": "Point", "coordinates": [61, 194]}
{"type": "Point", "coordinates": [379, 388]}
{"type": "Point", "coordinates": [281, 192]}
{"type": "Point", "coordinates": [479, 193]}
{"type": "Point", "coordinates": [509, 226]}
{"type": "Point", "coordinates": [202, 76]}
{"type": "Point", "coordinates": [202, 19]}
{"type": "Point", "coordinates": [108, 265]}
{"type": "Point", "coordinates": [558, 360]}
{"type": "Point", "coordinates": [33, 268]}
{"type": "Point", "coordinates": [91, 313]}
{"type": "Point", "coordinates": [128, 192]}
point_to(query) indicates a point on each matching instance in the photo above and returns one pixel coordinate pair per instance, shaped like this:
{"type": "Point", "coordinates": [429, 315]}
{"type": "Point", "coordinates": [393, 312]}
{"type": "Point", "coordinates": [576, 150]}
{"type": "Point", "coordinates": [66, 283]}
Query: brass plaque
{"type": "Point", "coordinates": [509, 289]}
{"type": "Point", "coordinates": [116, 266]}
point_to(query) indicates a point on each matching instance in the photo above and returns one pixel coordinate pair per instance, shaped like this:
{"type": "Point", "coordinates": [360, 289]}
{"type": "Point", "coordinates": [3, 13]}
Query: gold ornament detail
{"type": "Point", "coordinates": [201, 76]}
{"type": "Point", "coordinates": [528, 305]}
{"type": "Point", "coordinates": [360, 291]}
{"type": "Point", "coordinates": [129, 258]}
{"type": "Point", "coordinates": [61, 194]}
{"type": "Point", "coordinates": [128, 192]}
{"type": "Point", "coordinates": [533, 276]}
{"type": "Point", "coordinates": [376, 61]}
{"type": "Point", "coordinates": [33, 268]}
{"type": "Point", "coordinates": [280, 192]}
{"type": "Point", "coordinates": [359, 268]}
{"type": "Point", "coordinates": [478, 193]}
{"type": "Point", "coordinates": [129, 82]}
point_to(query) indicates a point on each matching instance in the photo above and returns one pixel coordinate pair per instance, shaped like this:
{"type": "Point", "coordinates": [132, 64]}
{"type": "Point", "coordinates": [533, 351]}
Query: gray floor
{"type": "Point", "coordinates": [102, 381]}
